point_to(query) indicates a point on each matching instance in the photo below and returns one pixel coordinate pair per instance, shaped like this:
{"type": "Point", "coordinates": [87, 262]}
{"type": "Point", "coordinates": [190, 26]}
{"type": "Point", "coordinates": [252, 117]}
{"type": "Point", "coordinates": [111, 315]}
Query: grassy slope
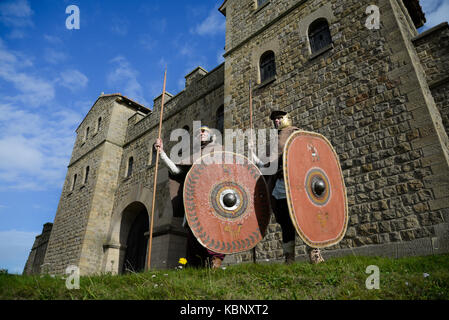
{"type": "Point", "coordinates": [342, 278]}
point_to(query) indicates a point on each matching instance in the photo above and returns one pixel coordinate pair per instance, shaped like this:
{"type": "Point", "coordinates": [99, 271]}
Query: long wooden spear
{"type": "Point", "coordinates": [251, 137]}
{"type": "Point", "coordinates": [150, 241]}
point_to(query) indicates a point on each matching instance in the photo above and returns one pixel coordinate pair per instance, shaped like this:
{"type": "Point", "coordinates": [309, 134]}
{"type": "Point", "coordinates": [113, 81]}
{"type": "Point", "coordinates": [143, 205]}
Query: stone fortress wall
{"type": "Point", "coordinates": [379, 95]}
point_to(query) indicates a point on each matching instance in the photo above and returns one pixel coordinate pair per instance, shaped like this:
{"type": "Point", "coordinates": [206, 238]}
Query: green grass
{"type": "Point", "coordinates": [340, 278]}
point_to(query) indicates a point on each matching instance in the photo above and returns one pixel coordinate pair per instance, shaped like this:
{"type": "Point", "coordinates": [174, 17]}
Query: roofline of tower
{"type": "Point", "coordinates": [128, 102]}
{"type": "Point", "coordinates": [222, 8]}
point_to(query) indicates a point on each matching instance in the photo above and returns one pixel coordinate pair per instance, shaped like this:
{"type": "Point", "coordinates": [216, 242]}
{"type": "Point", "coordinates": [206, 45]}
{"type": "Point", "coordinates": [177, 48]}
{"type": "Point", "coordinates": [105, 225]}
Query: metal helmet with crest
{"type": "Point", "coordinates": [286, 121]}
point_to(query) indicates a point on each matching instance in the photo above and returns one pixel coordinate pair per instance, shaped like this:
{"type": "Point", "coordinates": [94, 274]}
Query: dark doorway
{"type": "Point", "coordinates": [136, 244]}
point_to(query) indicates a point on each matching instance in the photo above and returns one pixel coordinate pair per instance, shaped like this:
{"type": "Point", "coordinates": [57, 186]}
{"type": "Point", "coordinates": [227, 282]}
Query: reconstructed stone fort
{"type": "Point", "coordinates": [379, 94]}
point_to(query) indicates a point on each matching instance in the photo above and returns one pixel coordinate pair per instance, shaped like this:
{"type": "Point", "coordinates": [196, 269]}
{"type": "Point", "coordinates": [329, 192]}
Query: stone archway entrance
{"type": "Point", "coordinates": [134, 237]}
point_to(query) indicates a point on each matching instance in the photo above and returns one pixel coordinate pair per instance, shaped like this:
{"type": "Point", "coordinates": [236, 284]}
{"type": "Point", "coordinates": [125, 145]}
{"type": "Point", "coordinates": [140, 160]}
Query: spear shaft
{"type": "Point", "coordinates": [251, 137]}
{"type": "Point", "coordinates": [150, 241]}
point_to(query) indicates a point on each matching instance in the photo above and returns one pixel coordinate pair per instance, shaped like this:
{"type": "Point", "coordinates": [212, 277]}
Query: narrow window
{"type": "Point", "coordinates": [220, 119]}
{"type": "Point", "coordinates": [267, 66]}
{"type": "Point", "coordinates": [86, 174]}
{"type": "Point", "coordinates": [130, 167]}
{"type": "Point", "coordinates": [153, 157]}
{"type": "Point", "coordinates": [99, 124]}
{"type": "Point", "coordinates": [74, 182]}
{"type": "Point", "coordinates": [261, 3]}
{"type": "Point", "coordinates": [319, 35]}
{"type": "Point", "coordinates": [187, 137]}
{"type": "Point", "coordinates": [87, 134]}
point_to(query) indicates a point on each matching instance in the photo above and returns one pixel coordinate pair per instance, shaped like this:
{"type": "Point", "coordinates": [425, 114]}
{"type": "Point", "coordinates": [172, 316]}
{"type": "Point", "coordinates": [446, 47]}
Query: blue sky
{"type": "Point", "coordinates": [50, 76]}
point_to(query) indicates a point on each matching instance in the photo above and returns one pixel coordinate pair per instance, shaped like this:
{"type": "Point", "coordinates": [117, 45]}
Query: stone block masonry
{"type": "Point", "coordinates": [379, 95]}
{"type": "Point", "coordinates": [368, 95]}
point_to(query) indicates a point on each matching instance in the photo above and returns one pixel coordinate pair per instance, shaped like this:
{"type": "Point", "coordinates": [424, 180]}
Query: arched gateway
{"type": "Point", "coordinates": [126, 250]}
{"type": "Point", "coordinates": [134, 234]}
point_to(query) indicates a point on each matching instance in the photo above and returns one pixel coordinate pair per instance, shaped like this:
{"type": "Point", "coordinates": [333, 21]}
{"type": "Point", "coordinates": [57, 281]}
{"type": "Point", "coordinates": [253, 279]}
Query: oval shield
{"type": "Point", "coordinates": [315, 189]}
{"type": "Point", "coordinates": [226, 202]}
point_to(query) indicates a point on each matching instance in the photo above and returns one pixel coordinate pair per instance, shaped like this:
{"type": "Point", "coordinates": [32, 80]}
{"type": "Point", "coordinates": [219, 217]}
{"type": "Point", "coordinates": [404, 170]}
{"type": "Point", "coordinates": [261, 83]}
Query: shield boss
{"type": "Point", "coordinates": [226, 202]}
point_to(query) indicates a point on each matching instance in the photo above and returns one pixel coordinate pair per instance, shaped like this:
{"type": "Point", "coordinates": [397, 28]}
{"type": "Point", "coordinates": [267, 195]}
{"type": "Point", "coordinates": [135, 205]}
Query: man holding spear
{"type": "Point", "coordinates": [197, 255]}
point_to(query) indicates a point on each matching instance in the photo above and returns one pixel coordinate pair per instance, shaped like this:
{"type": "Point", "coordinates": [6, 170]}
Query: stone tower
{"type": "Point", "coordinates": [82, 217]}
{"type": "Point", "coordinates": [371, 91]}
{"type": "Point", "coordinates": [102, 220]}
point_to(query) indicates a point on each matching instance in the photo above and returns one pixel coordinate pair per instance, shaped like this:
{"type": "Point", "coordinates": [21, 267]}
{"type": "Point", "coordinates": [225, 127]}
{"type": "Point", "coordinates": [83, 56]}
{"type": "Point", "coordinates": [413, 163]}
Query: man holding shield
{"type": "Point", "coordinates": [197, 255]}
{"type": "Point", "coordinates": [276, 185]}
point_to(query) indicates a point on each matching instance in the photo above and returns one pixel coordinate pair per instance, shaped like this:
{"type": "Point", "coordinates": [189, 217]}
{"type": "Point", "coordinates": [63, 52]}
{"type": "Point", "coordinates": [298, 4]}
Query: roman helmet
{"type": "Point", "coordinates": [206, 128]}
{"type": "Point", "coordinates": [285, 121]}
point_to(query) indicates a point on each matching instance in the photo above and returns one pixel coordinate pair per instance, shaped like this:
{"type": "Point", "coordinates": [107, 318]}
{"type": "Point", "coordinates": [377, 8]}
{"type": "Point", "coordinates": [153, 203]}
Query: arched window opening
{"type": "Point", "coordinates": [74, 182]}
{"type": "Point", "coordinates": [220, 119]}
{"type": "Point", "coordinates": [86, 174]}
{"type": "Point", "coordinates": [261, 3]}
{"type": "Point", "coordinates": [187, 129]}
{"type": "Point", "coordinates": [319, 35]}
{"type": "Point", "coordinates": [87, 134]}
{"type": "Point", "coordinates": [134, 238]}
{"type": "Point", "coordinates": [99, 124]}
{"type": "Point", "coordinates": [130, 167]}
{"type": "Point", "coordinates": [267, 66]}
{"type": "Point", "coordinates": [153, 157]}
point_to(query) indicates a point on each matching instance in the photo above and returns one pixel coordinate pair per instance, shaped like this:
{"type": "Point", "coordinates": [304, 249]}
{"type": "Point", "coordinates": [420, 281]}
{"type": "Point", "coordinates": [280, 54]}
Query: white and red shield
{"type": "Point", "coordinates": [315, 188]}
{"type": "Point", "coordinates": [227, 203]}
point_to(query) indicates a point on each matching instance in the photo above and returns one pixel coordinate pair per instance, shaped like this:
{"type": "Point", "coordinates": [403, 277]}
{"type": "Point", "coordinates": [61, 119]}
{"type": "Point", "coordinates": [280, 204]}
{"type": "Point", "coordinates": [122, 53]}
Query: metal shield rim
{"type": "Point", "coordinates": [340, 236]}
{"type": "Point", "coordinates": [262, 232]}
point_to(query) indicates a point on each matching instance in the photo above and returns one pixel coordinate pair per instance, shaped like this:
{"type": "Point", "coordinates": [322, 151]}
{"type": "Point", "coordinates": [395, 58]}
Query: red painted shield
{"type": "Point", "coordinates": [315, 188]}
{"type": "Point", "coordinates": [226, 203]}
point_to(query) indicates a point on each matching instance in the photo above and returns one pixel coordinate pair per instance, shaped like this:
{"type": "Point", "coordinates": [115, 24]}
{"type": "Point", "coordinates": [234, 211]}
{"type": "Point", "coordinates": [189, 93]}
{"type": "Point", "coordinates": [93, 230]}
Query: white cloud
{"type": "Point", "coordinates": [35, 91]}
{"type": "Point", "coordinates": [191, 56]}
{"type": "Point", "coordinates": [17, 34]}
{"type": "Point", "coordinates": [214, 23]}
{"type": "Point", "coordinates": [181, 83]}
{"type": "Point", "coordinates": [21, 156]}
{"type": "Point", "coordinates": [16, 13]}
{"type": "Point", "coordinates": [73, 79]}
{"type": "Point", "coordinates": [36, 148]}
{"type": "Point", "coordinates": [54, 56]}
{"type": "Point", "coordinates": [52, 39]}
{"type": "Point", "coordinates": [436, 11]}
{"type": "Point", "coordinates": [187, 50]}
{"type": "Point", "coordinates": [163, 62]}
{"type": "Point", "coordinates": [15, 247]}
{"type": "Point", "coordinates": [119, 27]}
{"type": "Point", "coordinates": [220, 58]}
{"type": "Point", "coordinates": [154, 89]}
{"type": "Point", "coordinates": [147, 42]}
{"type": "Point", "coordinates": [430, 5]}
{"type": "Point", "coordinates": [123, 79]}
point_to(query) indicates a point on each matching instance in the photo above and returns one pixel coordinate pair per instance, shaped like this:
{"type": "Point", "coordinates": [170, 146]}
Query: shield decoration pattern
{"type": "Point", "coordinates": [226, 202]}
{"type": "Point", "coordinates": [315, 189]}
